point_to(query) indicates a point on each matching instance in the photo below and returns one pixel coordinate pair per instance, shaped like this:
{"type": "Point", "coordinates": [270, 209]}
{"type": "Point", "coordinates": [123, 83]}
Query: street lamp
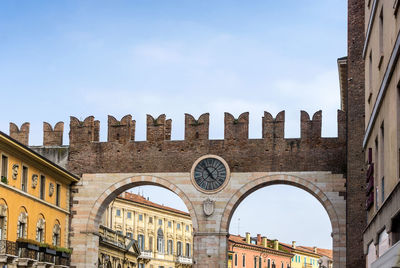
{"type": "Point", "coordinates": [320, 263]}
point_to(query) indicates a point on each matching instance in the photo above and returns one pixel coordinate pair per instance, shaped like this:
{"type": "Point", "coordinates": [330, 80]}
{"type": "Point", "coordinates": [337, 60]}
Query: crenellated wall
{"type": "Point", "coordinates": [20, 134]}
{"type": "Point", "coordinates": [53, 137]}
{"type": "Point", "coordinates": [272, 152]}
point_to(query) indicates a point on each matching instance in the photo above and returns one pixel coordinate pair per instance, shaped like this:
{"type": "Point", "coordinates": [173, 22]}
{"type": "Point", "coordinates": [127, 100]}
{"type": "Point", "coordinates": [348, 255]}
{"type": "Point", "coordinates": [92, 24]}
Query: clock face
{"type": "Point", "coordinates": [210, 174]}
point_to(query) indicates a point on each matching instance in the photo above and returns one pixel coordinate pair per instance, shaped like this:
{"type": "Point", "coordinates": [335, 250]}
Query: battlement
{"type": "Point", "coordinates": [20, 134]}
{"type": "Point", "coordinates": [159, 129]}
{"type": "Point", "coordinates": [121, 153]}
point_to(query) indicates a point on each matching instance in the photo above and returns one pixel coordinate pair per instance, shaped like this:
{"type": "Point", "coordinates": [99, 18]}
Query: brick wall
{"type": "Point", "coordinates": [356, 215]}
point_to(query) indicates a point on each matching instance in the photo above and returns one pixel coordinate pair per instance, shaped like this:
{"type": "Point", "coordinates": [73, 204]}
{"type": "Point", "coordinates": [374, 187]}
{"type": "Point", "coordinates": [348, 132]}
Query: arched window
{"type": "Point", "coordinates": [22, 225]}
{"type": "Point", "coordinates": [56, 233]}
{"type": "Point", "coordinates": [3, 220]}
{"type": "Point", "coordinates": [40, 229]}
{"type": "Point", "coordinates": [269, 263]}
{"type": "Point", "coordinates": [160, 241]}
{"type": "Point", "coordinates": [109, 265]}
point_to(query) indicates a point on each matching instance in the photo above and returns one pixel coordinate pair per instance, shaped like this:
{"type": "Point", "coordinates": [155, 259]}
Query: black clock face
{"type": "Point", "coordinates": [210, 174]}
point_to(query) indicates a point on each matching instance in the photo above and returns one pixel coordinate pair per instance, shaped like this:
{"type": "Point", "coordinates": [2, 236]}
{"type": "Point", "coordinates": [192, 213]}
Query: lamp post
{"type": "Point", "coordinates": [320, 263]}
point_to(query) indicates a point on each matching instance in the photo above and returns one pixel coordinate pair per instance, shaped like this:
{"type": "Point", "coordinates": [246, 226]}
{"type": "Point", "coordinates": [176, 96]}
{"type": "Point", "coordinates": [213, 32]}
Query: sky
{"type": "Point", "coordinates": [81, 58]}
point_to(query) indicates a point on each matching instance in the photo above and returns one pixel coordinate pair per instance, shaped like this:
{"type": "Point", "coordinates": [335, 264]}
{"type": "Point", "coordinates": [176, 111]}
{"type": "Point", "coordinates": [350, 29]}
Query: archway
{"type": "Point", "coordinates": [335, 210]}
{"type": "Point", "coordinates": [114, 185]}
{"type": "Point", "coordinates": [210, 227]}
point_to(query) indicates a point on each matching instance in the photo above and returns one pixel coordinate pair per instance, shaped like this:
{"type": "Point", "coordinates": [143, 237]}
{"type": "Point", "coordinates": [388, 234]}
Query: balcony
{"type": "Point", "coordinates": [8, 248]}
{"type": "Point", "coordinates": [146, 254]}
{"type": "Point", "coordinates": [8, 252]}
{"type": "Point", "coordinates": [184, 260]}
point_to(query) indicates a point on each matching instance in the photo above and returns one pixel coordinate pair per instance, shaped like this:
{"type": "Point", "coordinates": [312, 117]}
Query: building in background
{"type": "Point", "coordinates": [34, 208]}
{"type": "Point", "coordinates": [303, 257]}
{"type": "Point", "coordinates": [164, 235]}
{"type": "Point", "coordinates": [258, 252]}
{"type": "Point", "coordinates": [116, 250]}
{"type": "Point", "coordinates": [382, 135]}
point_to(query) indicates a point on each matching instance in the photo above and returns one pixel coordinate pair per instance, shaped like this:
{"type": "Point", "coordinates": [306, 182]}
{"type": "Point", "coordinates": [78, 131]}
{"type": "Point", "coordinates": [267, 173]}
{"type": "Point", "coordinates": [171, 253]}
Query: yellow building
{"type": "Point", "coordinates": [164, 234]}
{"type": "Point", "coordinates": [116, 250]}
{"type": "Point", "coordinates": [34, 208]}
{"type": "Point", "coordinates": [304, 257]}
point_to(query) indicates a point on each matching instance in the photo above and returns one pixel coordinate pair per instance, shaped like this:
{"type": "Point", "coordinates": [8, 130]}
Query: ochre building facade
{"type": "Point", "coordinates": [34, 208]}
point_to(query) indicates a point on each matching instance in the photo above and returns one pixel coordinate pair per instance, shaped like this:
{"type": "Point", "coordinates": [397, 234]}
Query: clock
{"type": "Point", "coordinates": [210, 173]}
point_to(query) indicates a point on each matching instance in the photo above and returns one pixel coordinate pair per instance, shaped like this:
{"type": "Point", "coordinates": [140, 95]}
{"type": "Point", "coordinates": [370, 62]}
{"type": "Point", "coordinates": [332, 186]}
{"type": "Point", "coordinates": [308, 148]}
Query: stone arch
{"type": "Point", "coordinates": [120, 186]}
{"type": "Point", "coordinates": [111, 186]}
{"type": "Point", "coordinates": [338, 232]}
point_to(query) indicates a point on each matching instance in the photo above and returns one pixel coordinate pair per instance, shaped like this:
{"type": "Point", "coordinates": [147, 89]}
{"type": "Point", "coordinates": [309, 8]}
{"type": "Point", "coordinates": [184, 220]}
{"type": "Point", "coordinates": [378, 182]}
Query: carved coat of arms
{"type": "Point", "coordinates": [208, 207]}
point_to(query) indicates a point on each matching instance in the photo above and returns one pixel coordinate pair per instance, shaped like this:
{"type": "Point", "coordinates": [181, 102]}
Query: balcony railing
{"type": "Point", "coordinates": [184, 260]}
{"type": "Point", "coordinates": [146, 254]}
{"type": "Point", "coordinates": [8, 248]}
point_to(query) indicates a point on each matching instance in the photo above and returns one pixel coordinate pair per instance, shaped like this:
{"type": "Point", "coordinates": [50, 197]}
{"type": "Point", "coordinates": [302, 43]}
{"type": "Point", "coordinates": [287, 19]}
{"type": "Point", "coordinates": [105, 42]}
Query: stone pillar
{"type": "Point", "coordinates": [211, 249]}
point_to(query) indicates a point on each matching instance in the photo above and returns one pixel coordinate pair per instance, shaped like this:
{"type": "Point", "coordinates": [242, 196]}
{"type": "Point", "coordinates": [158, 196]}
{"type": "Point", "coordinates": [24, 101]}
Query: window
{"type": "Point", "coordinates": [383, 189]}
{"type": "Point", "coordinates": [282, 265]}
{"type": "Point", "coordinates": [236, 262]}
{"type": "Point", "coordinates": [129, 234]}
{"type": "Point", "coordinates": [382, 162]}
{"type": "Point", "coordinates": [370, 73]}
{"type": "Point", "coordinates": [40, 228]}
{"type": "Point", "coordinates": [170, 249]}
{"type": "Point", "coordinates": [150, 219]}
{"type": "Point", "coordinates": [4, 166]}
{"type": "Point", "coordinates": [269, 263]}
{"type": "Point", "coordinates": [260, 262]}
{"type": "Point", "coordinates": [160, 241]}
{"type": "Point", "coordinates": [255, 262]}
{"type": "Point", "coordinates": [56, 234]}
{"type": "Point", "coordinates": [187, 228]}
{"type": "Point", "coordinates": [151, 243]}
{"type": "Point", "coordinates": [179, 248]}
{"type": "Point", "coordinates": [140, 217]}
{"type": "Point", "coordinates": [2, 227]}
{"type": "Point", "coordinates": [129, 215]}
{"type": "Point", "coordinates": [178, 226]}
{"type": "Point", "coordinates": [160, 222]}
{"type": "Point", "coordinates": [58, 194]}
{"type": "Point", "coordinates": [377, 164]}
{"type": "Point", "coordinates": [187, 250]}
{"type": "Point", "coordinates": [21, 229]}
{"type": "Point", "coordinates": [141, 242]}
{"type": "Point", "coordinates": [24, 179]}
{"type": "Point", "coordinates": [381, 34]}
{"type": "Point", "coordinates": [169, 224]}
{"type": "Point", "coordinates": [42, 186]}
{"type": "Point", "coordinates": [118, 213]}
{"type": "Point", "coordinates": [244, 260]}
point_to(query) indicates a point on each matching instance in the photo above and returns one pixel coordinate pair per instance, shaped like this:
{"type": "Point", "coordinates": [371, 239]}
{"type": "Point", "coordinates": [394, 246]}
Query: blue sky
{"type": "Point", "coordinates": [81, 58]}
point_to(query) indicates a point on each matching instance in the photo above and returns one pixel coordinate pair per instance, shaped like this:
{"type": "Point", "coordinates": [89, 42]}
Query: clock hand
{"type": "Point", "coordinates": [209, 172]}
